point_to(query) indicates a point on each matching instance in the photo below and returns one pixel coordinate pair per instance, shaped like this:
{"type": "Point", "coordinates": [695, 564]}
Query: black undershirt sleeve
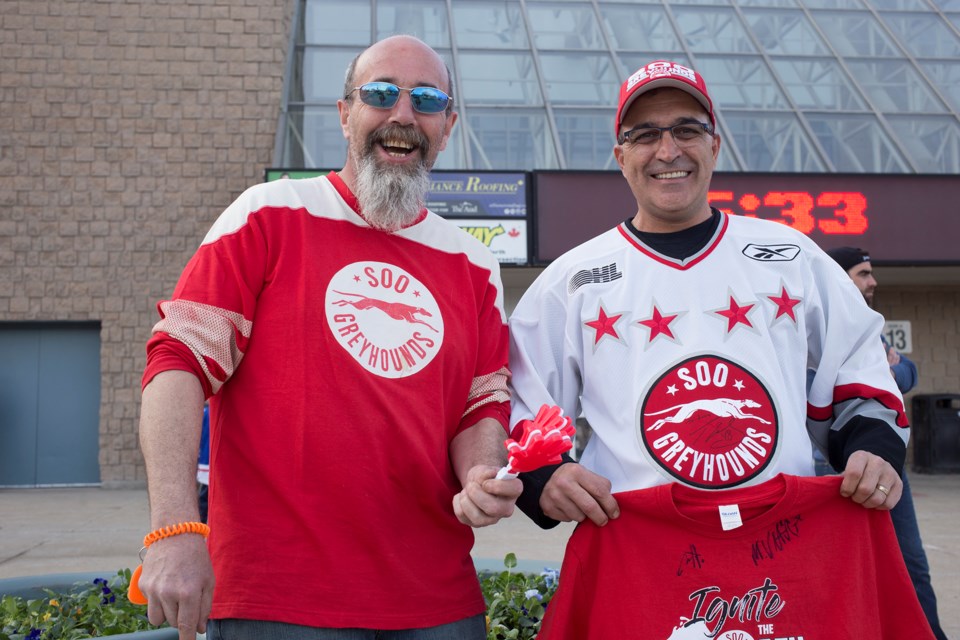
{"type": "Point", "coordinates": [859, 434]}
{"type": "Point", "coordinates": [866, 434]}
{"type": "Point", "coordinates": [533, 484]}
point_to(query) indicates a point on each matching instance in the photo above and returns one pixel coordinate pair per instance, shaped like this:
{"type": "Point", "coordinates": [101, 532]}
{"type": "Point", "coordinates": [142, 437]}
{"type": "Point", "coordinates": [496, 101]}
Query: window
{"type": "Point", "coordinates": [511, 139]}
{"type": "Point", "coordinates": [857, 144]}
{"type": "Point", "coordinates": [818, 83]}
{"type": "Point", "coordinates": [799, 85]}
{"type": "Point", "coordinates": [770, 142]}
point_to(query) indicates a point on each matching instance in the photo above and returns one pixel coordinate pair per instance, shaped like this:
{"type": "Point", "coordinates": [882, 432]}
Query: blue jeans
{"type": "Point", "coordinates": [904, 518]}
{"type": "Point", "coordinates": [820, 465]}
{"type": "Point", "coordinates": [474, 628]}
{"type": "Point", "coordinates": [908, 535]}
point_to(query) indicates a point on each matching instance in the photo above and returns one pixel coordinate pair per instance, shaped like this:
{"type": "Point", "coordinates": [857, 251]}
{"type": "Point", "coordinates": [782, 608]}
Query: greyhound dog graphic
{"type": "Point", "coordinates": [396, 310]}
{"type": "Point", "coordinates": [720, 407]}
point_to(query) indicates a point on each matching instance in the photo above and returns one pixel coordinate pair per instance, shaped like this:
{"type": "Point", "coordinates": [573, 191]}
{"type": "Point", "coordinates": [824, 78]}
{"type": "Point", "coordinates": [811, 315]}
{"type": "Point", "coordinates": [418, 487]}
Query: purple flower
{"type": "Point", "coordinates": [550, 576]}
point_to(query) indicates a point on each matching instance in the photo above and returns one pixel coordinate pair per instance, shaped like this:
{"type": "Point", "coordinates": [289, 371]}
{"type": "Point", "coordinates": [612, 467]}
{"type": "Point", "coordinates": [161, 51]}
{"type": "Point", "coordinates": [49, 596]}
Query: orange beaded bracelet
{"type": "Point", "coordinates": [134, 594]}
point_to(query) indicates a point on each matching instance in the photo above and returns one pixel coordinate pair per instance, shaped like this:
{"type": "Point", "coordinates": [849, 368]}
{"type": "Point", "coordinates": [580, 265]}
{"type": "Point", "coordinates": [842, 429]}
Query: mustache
{"type": "Point", "coordinates": [398, 133]}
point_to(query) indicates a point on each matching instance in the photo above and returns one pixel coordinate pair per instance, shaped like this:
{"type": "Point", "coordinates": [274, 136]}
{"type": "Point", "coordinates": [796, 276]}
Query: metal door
{"type": "Point", "coordinates": [49, 404]}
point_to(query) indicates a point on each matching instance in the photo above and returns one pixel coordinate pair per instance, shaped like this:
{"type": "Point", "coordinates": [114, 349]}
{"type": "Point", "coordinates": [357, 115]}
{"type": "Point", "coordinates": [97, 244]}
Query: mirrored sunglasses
{"type": "Point", "coordinates": [384, 95]}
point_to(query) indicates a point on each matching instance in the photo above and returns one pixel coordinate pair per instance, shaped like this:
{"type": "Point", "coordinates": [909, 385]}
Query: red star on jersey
{"type": "Point", "coordinates": [604, 325]}
{"type": "Point", "coordinates": [785, 304]}
{"type": "Point", "coordinates": [659, 323]}
{"type": "Point", "coordinates": [736, 314]}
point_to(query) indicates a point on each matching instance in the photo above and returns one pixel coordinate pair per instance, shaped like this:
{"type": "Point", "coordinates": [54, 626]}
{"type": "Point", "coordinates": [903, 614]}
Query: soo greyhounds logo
{"type": "Point", "coordinates": [386, 319]}
{"type": "Point", "coordinates": [709, 423]}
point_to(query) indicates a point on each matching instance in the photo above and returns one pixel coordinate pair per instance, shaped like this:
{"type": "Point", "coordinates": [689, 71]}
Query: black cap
{"type": "Point", "coordinates": [848, 257]}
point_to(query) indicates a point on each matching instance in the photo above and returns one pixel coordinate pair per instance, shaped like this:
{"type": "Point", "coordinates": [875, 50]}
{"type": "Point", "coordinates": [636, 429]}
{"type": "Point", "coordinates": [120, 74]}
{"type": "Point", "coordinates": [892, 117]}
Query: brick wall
{"type": "Point", "coordinates": [126, 126]}
{"type": "Point", "coordinates": [934, 315]}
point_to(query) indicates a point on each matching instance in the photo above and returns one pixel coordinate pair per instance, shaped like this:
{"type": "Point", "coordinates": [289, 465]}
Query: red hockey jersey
{"type": "Point", "coordinates": [343, 362]}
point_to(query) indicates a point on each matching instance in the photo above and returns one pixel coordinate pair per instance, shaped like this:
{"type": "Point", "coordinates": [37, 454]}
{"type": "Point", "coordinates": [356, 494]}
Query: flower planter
{"type": "Point", "coordinates": [32, 587]}
{"type": "Point", "coordinates": [516, 594]}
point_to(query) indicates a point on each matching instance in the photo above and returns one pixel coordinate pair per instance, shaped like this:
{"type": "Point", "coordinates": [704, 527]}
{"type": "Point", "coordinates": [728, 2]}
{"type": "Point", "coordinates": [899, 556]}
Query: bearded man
{"type": "Point", "coordinates": [353, 347]}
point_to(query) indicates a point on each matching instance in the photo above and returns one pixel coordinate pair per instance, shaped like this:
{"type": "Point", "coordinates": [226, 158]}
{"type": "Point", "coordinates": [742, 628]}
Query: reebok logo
{"type": "Point", "coordinates": [771, 252]}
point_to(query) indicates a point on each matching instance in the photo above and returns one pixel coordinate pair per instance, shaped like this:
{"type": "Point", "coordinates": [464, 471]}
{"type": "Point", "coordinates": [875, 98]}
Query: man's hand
{"type": "Point", "coordinates": [869, 480]}
{"type": "Point", "coordinates": [575, 493]}
{"type": "Point", "coordinates": [893, 357]}
{"type": "Point", "coordinates": [485, 500]}
{"type": "Point", "coordinates": [177, 581]}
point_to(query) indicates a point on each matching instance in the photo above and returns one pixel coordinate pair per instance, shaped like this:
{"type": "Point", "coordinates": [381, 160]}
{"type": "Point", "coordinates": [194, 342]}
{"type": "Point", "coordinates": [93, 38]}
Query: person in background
{"type": "Point", "coordinates": [354, 349]}
{"type": "Point", "coordinates": [856, 262]}
{"type": "Point", "coordinates": [203, 466]}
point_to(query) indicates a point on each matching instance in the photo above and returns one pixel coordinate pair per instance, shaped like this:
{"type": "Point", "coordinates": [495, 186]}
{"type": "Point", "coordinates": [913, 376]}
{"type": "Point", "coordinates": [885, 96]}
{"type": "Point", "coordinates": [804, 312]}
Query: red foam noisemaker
{"type": "Point", "coordinates": [542, 441]}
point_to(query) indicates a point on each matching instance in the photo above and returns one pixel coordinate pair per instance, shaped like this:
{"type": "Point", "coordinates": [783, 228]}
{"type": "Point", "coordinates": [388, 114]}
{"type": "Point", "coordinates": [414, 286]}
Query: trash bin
{"type": "Point", "coordinates": [936, 433]}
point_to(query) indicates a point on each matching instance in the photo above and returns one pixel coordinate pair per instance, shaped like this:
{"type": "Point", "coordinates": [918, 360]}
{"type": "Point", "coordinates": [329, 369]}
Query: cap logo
{"type": "Point", "coordinates": [661, 70]}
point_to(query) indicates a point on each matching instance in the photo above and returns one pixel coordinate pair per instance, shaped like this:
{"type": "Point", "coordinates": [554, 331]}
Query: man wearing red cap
{"type": "Point", "coordinates": [683, 337]}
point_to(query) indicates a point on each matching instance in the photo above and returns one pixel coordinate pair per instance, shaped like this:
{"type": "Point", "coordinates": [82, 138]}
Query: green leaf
{"type": "Point", "coordinates": [510, 561]}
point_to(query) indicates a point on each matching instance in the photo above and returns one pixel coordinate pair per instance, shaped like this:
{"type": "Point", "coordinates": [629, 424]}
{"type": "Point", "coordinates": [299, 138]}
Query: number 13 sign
{"type": "Point", "coordinates": [898, 335]}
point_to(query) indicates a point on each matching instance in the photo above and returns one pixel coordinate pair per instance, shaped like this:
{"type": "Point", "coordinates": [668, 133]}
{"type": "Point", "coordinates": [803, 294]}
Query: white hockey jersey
{"type": "Point", "coordinates": [694, 371]}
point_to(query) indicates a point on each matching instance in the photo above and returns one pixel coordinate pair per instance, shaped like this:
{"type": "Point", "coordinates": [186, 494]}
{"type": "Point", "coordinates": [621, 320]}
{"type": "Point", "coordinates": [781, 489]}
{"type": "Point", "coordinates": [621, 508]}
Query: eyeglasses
{"type": "Point", "coordinates": [384, 95]}
{"type": "Point", "coordinates": [685, 134]}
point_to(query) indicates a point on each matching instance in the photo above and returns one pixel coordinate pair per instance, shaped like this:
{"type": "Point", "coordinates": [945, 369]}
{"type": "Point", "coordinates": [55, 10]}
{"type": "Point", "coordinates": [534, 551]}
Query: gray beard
{"type": "Point", "coordinates": [390, 197]}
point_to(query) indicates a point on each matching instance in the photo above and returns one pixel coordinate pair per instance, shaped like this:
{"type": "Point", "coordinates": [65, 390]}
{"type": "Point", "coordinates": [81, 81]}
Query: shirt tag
{"type": "Point", "coordinates": [730, 516]}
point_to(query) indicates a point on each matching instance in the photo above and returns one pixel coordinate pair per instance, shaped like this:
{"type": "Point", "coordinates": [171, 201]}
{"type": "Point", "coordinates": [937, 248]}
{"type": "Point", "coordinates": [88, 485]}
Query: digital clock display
{"type": "Point", "coordinates": [842, 212]}
{"type": "Point", "coordinates": [900, 219]}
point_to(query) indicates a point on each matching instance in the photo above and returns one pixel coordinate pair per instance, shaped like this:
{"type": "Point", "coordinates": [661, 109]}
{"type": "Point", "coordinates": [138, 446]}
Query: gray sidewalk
{"type": "Point", "coordinates": [88, 529]}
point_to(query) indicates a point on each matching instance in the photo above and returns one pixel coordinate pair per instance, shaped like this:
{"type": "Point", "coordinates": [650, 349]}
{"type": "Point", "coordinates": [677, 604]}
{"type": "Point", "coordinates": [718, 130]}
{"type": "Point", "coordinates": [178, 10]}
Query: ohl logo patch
{"type": "Point", "coordinates": [385, 318]}
{"type": "Point", "coordinates": [709, 423]}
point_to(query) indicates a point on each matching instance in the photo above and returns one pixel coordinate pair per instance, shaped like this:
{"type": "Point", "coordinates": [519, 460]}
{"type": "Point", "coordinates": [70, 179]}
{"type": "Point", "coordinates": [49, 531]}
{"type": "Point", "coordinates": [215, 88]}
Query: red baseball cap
{"type": "Point", "coordinates": [662, 73]}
